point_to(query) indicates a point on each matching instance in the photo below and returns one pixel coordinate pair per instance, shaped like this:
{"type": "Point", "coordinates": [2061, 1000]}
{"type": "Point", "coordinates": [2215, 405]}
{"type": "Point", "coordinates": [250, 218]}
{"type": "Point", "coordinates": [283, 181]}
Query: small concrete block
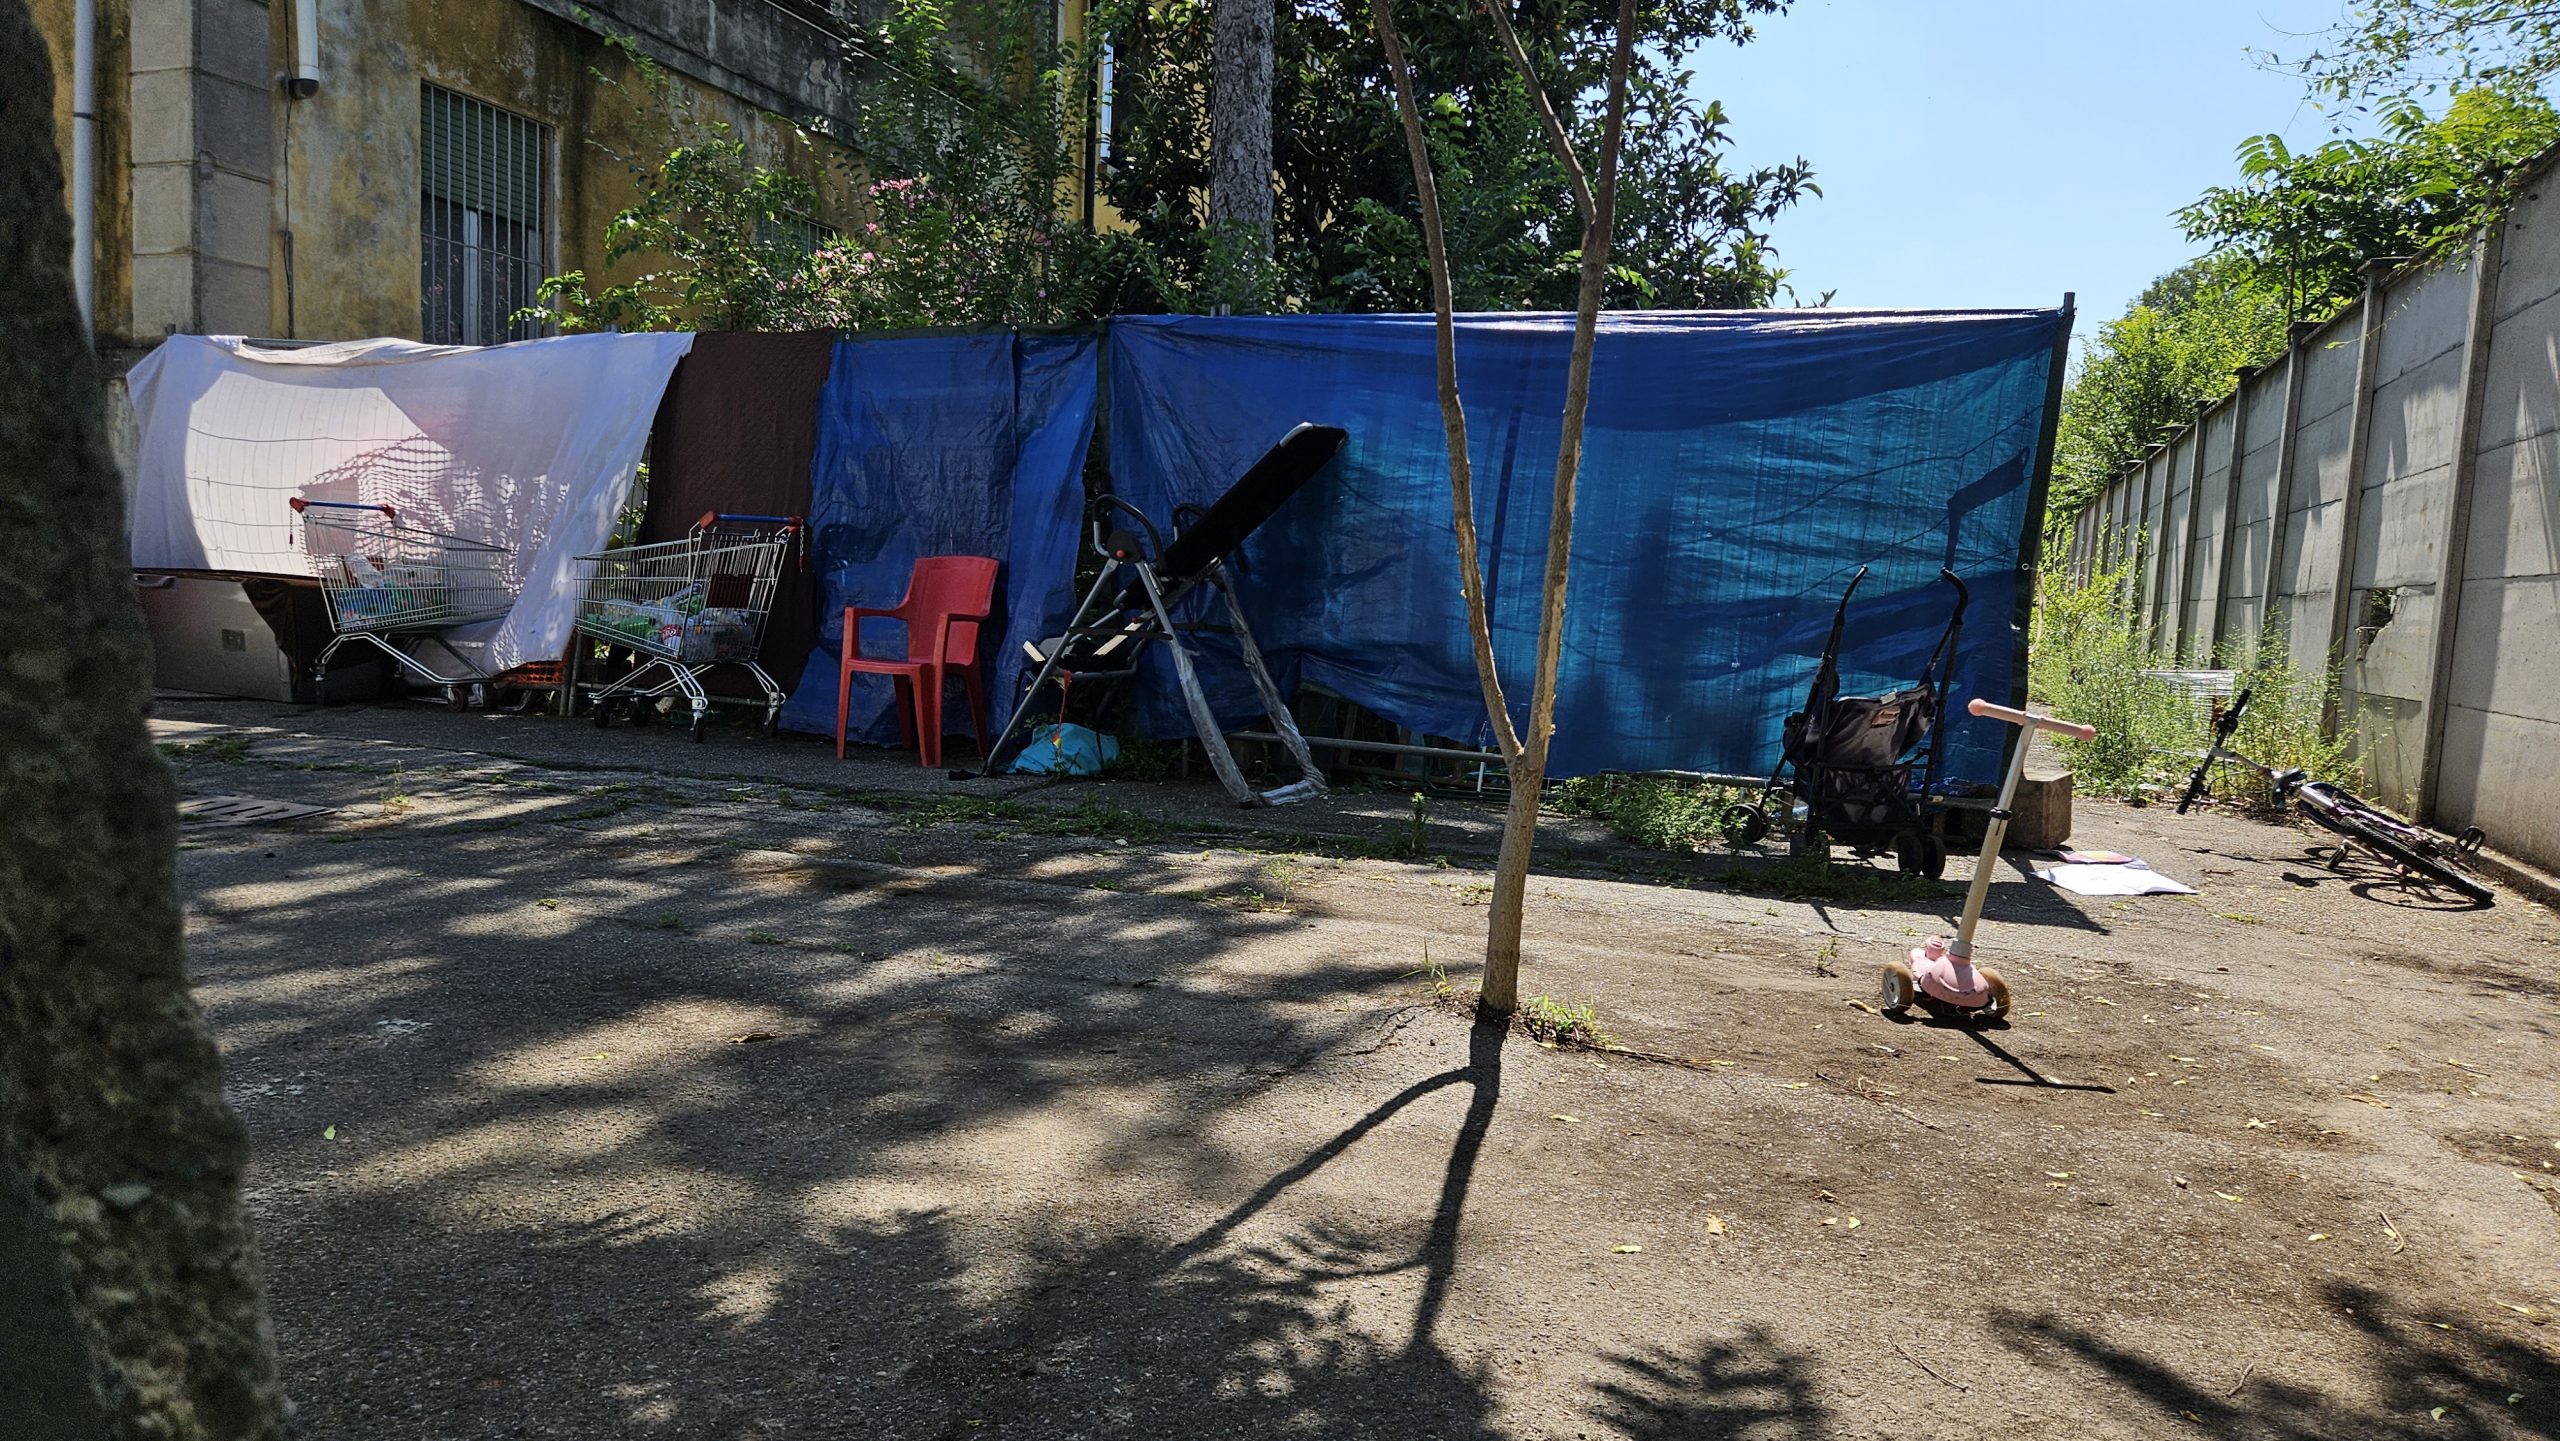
{"type": "Point", "coordinates": [164, 209]}
{"type": "Point", "coordinates": [164, 293]}
{"type": "Point", "coordinates": [2040, 813]}
{"type": "Point", "coordinates": [239, 216]}
{"type": "Point", "coordinates": [164, 34]}
{"type": "Point", "coordinates": [164, 118]}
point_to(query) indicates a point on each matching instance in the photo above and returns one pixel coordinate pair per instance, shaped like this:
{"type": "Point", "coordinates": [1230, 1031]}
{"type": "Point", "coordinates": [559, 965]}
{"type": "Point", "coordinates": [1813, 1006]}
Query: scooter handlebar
{"type": "Point", "coordinates": [2073, 729]}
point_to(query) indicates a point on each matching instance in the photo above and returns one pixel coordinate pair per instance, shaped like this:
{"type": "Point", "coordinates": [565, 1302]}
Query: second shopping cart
{"type": "Point", "coordinates": [685, 608]}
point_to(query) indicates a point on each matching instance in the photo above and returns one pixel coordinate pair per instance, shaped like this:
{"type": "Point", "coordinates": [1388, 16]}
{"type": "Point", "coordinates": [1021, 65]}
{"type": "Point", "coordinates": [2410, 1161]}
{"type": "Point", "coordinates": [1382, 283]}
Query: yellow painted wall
{"type": "Point", "coordinates": [354, 167]}
{"type": "Point", "coordinates": [114, 196]}
{"type": "Point", "coordinates": [347, 161]}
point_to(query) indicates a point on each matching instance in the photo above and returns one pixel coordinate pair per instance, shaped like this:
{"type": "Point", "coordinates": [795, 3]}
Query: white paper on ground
{"type": "Point", "coordinates": [2131, 878]}
{"type": "Point", "coordinates": [530, 446]}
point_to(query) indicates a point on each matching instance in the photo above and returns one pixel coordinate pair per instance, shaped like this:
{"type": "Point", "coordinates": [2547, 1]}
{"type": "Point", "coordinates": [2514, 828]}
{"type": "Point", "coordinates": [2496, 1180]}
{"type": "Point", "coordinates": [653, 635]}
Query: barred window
{"type": "Point", "coordinates": [481, 247]}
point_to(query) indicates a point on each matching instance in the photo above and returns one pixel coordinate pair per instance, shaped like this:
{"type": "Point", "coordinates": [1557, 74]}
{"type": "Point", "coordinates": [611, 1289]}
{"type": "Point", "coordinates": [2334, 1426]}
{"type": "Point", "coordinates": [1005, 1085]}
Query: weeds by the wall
{"type": "Point", "coordinates": [2091, 661]}
{"type": "Point", "coordinates": [2282, 725]}
{"type": "Point", "coordinates": [1655, 811]}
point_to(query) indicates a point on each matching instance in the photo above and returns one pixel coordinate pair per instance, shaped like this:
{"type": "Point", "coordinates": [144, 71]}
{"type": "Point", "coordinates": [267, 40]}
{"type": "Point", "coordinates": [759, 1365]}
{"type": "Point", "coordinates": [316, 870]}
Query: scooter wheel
{"type": "Point", "coordinates": [1745, 825]}
{"type": "Point", "coordinates": [1895, 989]}
{"type": "Point", "coordinates": [1997, 1007]}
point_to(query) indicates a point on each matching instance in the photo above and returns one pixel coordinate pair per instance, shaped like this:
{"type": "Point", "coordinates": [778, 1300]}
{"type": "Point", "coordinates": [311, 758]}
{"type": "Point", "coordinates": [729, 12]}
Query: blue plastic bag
{"type": "Point", "coordinates": [1065, 750]}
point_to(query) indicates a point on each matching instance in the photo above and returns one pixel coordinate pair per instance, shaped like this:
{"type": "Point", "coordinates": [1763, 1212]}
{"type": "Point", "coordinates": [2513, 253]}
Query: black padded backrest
{"type": "Point", "coordinates": [1250, 501]}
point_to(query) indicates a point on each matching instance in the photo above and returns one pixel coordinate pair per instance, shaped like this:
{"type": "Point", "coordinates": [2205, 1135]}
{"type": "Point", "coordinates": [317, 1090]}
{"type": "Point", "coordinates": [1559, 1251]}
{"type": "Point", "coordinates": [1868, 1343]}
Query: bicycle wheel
{"type": "Point", "coordinates": [2352, 819]}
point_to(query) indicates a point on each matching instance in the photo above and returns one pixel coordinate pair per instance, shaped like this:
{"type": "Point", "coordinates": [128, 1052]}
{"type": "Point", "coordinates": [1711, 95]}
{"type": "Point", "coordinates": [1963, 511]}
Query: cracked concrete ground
{"type": "Point", "coordinates": [606, 1085]}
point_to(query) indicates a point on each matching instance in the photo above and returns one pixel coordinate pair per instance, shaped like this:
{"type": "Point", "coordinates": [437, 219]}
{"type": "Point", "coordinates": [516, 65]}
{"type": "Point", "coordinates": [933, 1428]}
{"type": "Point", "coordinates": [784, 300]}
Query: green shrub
{"type": "Point", "coordinates": [2282, 727]}
{"type": "Point", "coordinates": [1656, 811]}
{"type": "Point", "coordinates": [2089, 662]}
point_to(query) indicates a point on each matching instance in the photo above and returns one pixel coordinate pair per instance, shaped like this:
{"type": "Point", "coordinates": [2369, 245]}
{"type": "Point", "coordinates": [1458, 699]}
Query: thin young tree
{"type": "Point", "coordinates": [130, 1300]}
{"type": "Point", "coordinates": [1524, 755]}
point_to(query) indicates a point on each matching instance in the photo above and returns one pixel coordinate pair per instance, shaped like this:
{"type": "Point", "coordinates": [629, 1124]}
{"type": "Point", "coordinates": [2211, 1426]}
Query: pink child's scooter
{"type": "Point", "coordinates": [1942, 970]}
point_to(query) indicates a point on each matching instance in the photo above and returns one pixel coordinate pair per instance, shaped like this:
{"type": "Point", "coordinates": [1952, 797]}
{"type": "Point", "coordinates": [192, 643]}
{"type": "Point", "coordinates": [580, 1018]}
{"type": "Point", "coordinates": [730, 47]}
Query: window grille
{"type": "Point", "coordinates": [481, 250]}
{"type": "Point", "coordinates": [784, 230]}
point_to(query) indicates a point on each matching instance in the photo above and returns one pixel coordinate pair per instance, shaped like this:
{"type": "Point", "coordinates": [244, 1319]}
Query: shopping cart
{"type": "Point", "coordinates": [686, 607]}
{"type": "Point", "coordinates": [385, 578]}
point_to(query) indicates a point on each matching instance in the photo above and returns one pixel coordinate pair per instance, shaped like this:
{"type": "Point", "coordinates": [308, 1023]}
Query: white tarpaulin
{"type": "Point", "coordinates": [531, 446]}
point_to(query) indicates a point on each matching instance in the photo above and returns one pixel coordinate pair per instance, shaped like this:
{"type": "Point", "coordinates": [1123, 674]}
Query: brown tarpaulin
{"type": "Point", "coordinates": [734, 434]}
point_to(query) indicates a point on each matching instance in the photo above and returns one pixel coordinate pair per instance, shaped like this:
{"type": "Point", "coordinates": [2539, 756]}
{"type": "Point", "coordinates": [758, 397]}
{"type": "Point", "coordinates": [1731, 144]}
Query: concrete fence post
{"type": "Point", "coordinates": [2453, 554]}
{"type": "Point", "coordinates": [2342, 591]}
{"type": "Point", "coordinates": [2230, 512]}
{"type": "Point", "coordinates": [2188, 601]}
{"type": "Point", "coordinates": [2280, 509]}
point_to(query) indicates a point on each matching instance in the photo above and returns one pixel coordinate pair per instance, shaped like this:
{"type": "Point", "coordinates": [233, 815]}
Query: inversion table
{"type": "Point", "coordinates": [1146, 578]}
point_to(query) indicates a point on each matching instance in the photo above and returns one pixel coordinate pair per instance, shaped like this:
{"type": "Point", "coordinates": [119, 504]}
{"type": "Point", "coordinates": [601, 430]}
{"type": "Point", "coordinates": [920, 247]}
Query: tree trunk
{"type": "Point", "coordinates": [114, 1137]}
{"type": "Point", "coordinates": [1525, 756]}
{"type": "Point", "coordinates": [1240, 200]}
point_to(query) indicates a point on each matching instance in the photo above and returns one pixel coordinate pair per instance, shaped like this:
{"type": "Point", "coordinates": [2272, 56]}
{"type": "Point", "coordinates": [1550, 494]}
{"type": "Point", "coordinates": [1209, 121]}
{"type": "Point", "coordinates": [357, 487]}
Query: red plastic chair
{"type": "Point", "coordinates": [947, 597]}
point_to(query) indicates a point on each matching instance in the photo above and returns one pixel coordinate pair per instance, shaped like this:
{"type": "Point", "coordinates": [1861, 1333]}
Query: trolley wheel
{"type": "Point", "coordinates": [1895, 989]}
{"type": "Point", "coordinates": [772, 724]}
{"type": "Point", "coordinates": [642, 710]}
{"type": "Point", "coordinates": [1997, 1007]}
{"type": "Point", "coordinates": [604, 714]}
{"type": "Point", "coordinates": [458, 697]}
{"type": "Point", "coordinates": [320, 688]}
{"type": "Point", "coordinates": [1745, 824]}
{"type": "Point", "coordinates": [701, 723]}
{"type": "Point", "coordinates": [1919, 854]}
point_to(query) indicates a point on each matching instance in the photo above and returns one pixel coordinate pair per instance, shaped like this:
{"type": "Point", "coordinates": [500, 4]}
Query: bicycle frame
{"type": "Point", "coordinates": [2421, 854]}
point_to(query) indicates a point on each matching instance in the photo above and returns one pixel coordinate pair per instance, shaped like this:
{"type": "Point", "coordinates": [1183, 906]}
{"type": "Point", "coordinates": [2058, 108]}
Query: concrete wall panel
{"type": "Point", "coordinates": [2507, 658]}
{"type": "Point", "coordinates": [2329, 369]}
{"type": "Point", "coordinates": [2498, 776]}
{"type": "Point", "coordinates": [2423, 318]}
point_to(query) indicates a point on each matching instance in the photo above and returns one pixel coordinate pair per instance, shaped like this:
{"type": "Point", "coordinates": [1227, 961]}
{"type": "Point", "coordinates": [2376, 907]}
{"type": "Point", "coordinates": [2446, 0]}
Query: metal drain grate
{"type": "Point", "coordinates": [242, 811]}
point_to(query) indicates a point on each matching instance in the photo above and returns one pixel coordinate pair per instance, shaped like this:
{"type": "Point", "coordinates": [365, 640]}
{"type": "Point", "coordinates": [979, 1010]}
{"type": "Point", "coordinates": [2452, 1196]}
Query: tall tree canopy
{"type": "Point", "coordinates": [2389, 49]}
{"type": "Point", "coordinates": [1690, 230]}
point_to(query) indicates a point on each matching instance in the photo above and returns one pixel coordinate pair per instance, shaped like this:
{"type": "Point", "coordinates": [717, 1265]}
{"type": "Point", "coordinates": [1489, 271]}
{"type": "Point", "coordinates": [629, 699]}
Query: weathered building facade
{"type": "Point", "coordinates": [334, 169]}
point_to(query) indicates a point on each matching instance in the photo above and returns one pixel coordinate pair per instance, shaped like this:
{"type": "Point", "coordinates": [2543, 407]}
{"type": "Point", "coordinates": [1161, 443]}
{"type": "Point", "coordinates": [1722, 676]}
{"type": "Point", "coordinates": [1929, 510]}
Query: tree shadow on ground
{"type": "Point", "coordinates": [1752, 1387]}
{"type": "Point", "coordinates": [2423, 1380]}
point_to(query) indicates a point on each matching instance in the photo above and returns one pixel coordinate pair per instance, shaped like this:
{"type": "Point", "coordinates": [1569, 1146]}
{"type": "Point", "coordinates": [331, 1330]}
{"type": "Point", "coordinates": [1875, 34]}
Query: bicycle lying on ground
{"type": "Point", "coordinates": [2427, 858]}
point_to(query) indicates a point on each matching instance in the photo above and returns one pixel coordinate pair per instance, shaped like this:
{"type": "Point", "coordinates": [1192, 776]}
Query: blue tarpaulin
{"type": "Point", "coordinates": [1738, 467]}
{"type": "Point", "coordinates": [944, 445]}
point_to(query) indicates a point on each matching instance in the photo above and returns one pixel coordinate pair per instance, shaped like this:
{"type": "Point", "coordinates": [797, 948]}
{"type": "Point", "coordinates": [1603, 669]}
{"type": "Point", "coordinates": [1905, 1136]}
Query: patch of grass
{"type": "Point", "coordinates": [1435, 977]}
{"type": "Point", "coordinates": [549, 903]}
{"type": "Point", "coordinates": [1563, 1023]}
{"type": "Point", "coordinates": [1658, 812]}
{"type": "Point", "coordinates": [765, 938]}
{"type": "Point", "coordinates": [395, 792]}
{"type": "Point", "coordinates": [221, 750]}
{"type": "Point", "coordinates": [668, 921]}
{"type": "Point", "coordinates": [1823, 958]}
{"type": "Point", "coordinates": [1817, 878]}
{"type": "Point", "coordinates": [1415, 838]}
{"type": "Point", "coordinates": [1142, 760]}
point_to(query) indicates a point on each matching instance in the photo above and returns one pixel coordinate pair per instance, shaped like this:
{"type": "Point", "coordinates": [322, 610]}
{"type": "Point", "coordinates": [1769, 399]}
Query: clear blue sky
{"type": "Point", "coordinates": [2001, 152]}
